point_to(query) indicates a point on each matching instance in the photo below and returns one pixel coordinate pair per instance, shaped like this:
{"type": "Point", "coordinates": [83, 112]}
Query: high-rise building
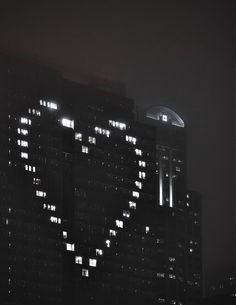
{"type": "Point", "coordinates": [94, 206]}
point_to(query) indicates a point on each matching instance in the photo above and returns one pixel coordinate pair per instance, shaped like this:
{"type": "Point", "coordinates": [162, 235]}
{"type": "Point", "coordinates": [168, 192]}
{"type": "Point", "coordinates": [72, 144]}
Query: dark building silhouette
{"type": "Point", "coordinates": [94, 206]}
{"type": "Point", "coordinates": [222, 292]}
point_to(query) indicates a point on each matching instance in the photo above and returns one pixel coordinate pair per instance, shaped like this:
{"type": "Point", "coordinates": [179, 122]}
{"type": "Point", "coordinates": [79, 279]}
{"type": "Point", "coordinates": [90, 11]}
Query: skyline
{"type": "Point", "coordinates": [102, 205]}
{"type": "Point", "coordinates": [193, 59]}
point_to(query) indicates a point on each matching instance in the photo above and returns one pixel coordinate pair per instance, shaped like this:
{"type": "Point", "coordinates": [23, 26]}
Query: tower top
{"type": "Point", "coordinates": [161, 113]}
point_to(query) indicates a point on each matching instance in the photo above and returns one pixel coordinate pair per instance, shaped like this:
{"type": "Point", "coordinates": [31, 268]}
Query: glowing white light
{"type": "Point", "coordinates": [40, 193]}
{"type": "Point", "coordinates": [172, 259]}
{"type": "Point", "coordinates": [142, 163]}
{"type": "Point", "coordinates": [24, 155]}
{"type": "Point", "coordinates": [119, 223]}
{"type": "Point", "coordinates": [112, 232]}
{"type": "Point", "coordinates": [24, 120]}
{"type": "Point", "coordinates": [147, 229]}
{"type": "Point", "coordinates": [30, 168]}
{"type": "Point", "coordinates": [138, 184]}
{"type": "Point", "coordinates": [121, 126]}
{"type": "Point", "coordinates": [67, 123]}
{"type": "Point", "coordinates": [108, 243]}
{"type": "Point", "coordinates": [70, 247]}
{"type": "Point", "coordinates": [78, 136]}
{"type": "Point", "coordinates": [130, 139]}
{"type": "Point", "coordinates": [141, 175]}
{"type": "Point", "coordinates": [84, 149]}
{"type": "Point", "coordinates": [99, 252]}
{"type": "Point", "coordinates": [34, 111]}
{"type": "Point", "coordinates": [132, 205]}
{"type": "Point", "coordinates": [64, 234]}
{"type": "Point", "coordinates": [164, 118]}
{"type": "Point", "coordinates": [102, 131]}
{"type": "Point", "coordinates": [43, 103]}
{"type": "Point", "coordinates": [92, 262]}
{"type": "Point", "coordinates": [55, 219]}
{"type": "Point", "coordinates": [22, 143]}
{"type": "Point", "coordinates": [92, 140]}
{"type": "Point", "coordinates": [36, 181]}
{"type": "Point", "coordinates": [52, 105]}
{"type": "Point", "coordinates": [79, 260]}
{"type": "Point", "coordinates": [22, 131]}
{"type": "Point", "coordinates": [135, 194]}
{"type": "Point", "coordinates": [138, 152]}
{"type": "Point", "coordinates": [85, 272]}
{"type": "Point", "coordinates": [126, 214]}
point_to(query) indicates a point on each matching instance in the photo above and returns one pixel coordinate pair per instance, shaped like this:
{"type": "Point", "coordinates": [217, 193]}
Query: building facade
{"type": "Point", "coordinates": [94, 206]}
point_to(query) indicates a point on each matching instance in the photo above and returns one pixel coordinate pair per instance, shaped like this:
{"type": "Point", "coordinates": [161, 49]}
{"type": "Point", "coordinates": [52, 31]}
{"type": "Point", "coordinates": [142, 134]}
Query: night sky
{"type": "Point", "coordinates": [175, 53]}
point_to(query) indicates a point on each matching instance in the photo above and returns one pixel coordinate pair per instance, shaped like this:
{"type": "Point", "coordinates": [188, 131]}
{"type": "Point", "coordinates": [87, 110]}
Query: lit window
{"type": "Point", "coordinates": [108, 243]}
{"type": "Point", "coordinates": [30, 168]}
{"type": "Point", "coordinates": [172, 276]}
{"type": "Point", "coordinates": [34, 111]}
{"type": "Point", "coordinates": [67, 123]}
{"type": "Point", "coordinates": [22, 131]}
{"type": "Point", "coordinates": [164, 118]}
{"type": "Point", "coordinates": [52, 105]}
{"type": "Point", "coordinates": [142, 175]}
{"type": "Point", "coordinates": [92, 262]}
{"type": "Point", "coordinates": [142, 163]}
{"type": "Point", "coordinates": [55, 219]}
{"type": "Point", "coordinates": [135, 194]}
{"type": "Point", "coordinates": [119, 223]}
{"type": "Point", "coordinates": [64, 234]}
{"type": "Point", "coordinates": [130, 139]}
{"type": "Point", "coordinates": [25, 121]}
{"type": "Point", "coordinates": [36, 181]}
{"type": "Point", "coordinates": [78, 136]}
{"type": "Point", "coordinates": [177, 169]}
{"type": "Point", "coordinates": [138, 152]}
{"type": "Point", "coordinates": [112, 232]}
{"type": "Point", "coordinates": [92, 140]}
{"type": "Point", "coordinates": [132, 205]}
{"type": "Point", "coordinates": [102, 131]}
{"type": "Point", "coordinates": [99, 252]}
{"type": "Point", "coordinates": [79, 260]}
{"type": "Point", "coordinates": [43, 103]}
{"type": "Point", "coordinates": [121, 126]}
{"type": "Point", "coordinates": [70, 247]}
{"type": "Point", "coordinates": [160, 274]}
{"type": "Point", "coordinates": [84, 149]}
{"type": "Point", "coordinates": [172, 259]}
{"type": "Point", "coordinates": [85, 272]}
{"type": "Point", "coordinates": [147, 229]}
{"type": "Point", "coordinates": [24, 155]}
{"type": "Point", "coordinates": [40, 193]}
{"type": "Point", "coordinates": [126, 214]}
{"type": "Point", "coordinates": [22, 143]}
{"type": "Point", "coordinates": [51, 207]}
{"type": "Point", "coordinates": [138, 184]}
